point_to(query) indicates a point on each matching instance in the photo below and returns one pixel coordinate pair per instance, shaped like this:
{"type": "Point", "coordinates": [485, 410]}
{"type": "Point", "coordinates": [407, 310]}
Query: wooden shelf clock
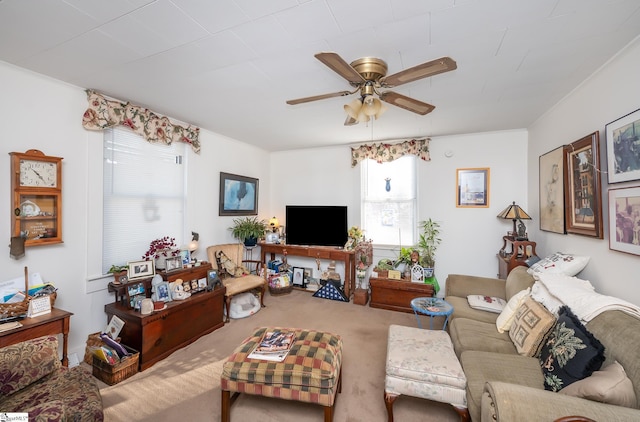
{"type": "Point", "coordinates": [36, 187]}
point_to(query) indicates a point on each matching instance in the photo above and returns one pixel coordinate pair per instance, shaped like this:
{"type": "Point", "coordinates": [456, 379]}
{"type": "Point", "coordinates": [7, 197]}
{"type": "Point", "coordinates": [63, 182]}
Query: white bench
{"type": "Point", "coordinates": [422, 363]}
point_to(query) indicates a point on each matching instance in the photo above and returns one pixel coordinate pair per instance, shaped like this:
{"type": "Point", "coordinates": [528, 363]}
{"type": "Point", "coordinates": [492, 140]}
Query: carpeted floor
{"type": "Point", "coordinates": [186, 385]}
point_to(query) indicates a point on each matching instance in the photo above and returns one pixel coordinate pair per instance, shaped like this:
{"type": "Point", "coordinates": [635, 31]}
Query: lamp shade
{"type": "Point", "coordinates": [274, 224]}
{"type": "Point", "coordinates": [514, 212]}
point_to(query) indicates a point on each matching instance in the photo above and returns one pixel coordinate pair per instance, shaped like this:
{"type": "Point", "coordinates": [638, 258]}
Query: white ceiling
{"type": "Point", "coordinates": [228, 66]}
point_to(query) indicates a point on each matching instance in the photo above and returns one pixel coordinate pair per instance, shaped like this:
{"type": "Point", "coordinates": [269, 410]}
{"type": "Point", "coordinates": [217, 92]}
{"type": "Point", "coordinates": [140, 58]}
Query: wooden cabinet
{"type": "Point", "coordinates": [161, 333]}
{"type": "Point", "coordinates": [396, 295]}
{"type": "Point", "coordinates": [36, 188]}
{"type": "Point", "coordinates": [513, 254]}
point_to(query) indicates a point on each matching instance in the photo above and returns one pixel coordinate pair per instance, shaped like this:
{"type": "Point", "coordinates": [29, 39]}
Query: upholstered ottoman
{"type": "Point", "coordinates": [311, 372]}
{"type": "Point", "coordinates": [422, 363]}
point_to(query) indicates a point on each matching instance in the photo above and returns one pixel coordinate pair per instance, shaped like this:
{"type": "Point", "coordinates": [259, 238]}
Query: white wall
{"type": "Point", "coordinates": [609, 94]}
{"type": "Point", "coordinates": [42, 113]}
{"type": "Point", "coordinates": [471, 236]}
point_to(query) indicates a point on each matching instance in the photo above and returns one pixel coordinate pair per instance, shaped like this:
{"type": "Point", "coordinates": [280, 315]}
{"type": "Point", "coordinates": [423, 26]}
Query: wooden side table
{"type": "Point", "coordinates": [513, 254]}
{"type": "Point", "coordinates": [56, 322]}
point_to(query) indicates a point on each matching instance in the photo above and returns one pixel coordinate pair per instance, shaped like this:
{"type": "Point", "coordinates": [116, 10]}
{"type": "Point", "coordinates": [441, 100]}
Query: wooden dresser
{"type": "Point", "coordinates": [396, 295]}
{"type": "Point", "coordinates": [161, 333]}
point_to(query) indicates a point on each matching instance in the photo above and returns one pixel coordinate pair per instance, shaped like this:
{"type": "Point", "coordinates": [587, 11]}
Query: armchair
{"type": "Point", "coordinates": [227, 260]}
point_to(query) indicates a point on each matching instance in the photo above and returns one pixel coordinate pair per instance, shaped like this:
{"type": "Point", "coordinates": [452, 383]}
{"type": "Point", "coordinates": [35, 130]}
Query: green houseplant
{"type": "Point", "coordinates": [428, 242]}
{"type": "Point", "coordinates": [248, 229]}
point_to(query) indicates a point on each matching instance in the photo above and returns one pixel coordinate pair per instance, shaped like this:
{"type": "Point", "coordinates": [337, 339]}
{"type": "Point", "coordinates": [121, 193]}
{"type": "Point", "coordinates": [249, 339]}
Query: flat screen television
{"type": "Point", "coordinates": [316, 225]}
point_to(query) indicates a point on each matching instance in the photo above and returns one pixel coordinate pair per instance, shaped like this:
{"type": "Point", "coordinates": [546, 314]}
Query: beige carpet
{"type": "Point", "coordinates": [186, 385]}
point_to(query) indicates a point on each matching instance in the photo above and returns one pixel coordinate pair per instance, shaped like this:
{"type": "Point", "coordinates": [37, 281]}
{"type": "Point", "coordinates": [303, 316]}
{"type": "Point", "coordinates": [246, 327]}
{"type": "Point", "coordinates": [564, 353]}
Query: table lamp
{"type": "Point", "coordinates": [274, 236]}
{"type": "Point", "coordinates": [194, 244]}
{"type": "Point", "coordinates": [515, 213]}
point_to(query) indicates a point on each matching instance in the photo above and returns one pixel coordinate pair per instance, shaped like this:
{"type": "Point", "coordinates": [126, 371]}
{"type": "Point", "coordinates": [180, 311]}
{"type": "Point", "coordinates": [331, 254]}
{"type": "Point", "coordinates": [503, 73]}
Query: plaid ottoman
{"type": "Point", "coordinates": [311, 372]}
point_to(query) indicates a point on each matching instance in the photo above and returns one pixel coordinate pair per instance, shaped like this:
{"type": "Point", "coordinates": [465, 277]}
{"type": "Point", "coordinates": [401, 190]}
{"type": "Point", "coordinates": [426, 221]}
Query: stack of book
{"type": "Point", "coordinates": [274, 345]}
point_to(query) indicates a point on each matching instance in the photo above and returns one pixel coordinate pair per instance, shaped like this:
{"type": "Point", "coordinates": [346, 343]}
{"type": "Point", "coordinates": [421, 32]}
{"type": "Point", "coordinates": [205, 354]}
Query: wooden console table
{"type": "Point", "coordinates": [396, 295]}
{"type": "Point", "coordinates": [56, 322]}
{"type": "Point", "coordinates": [161, 333]}
{"type": "Point", "coordinates": [322, 252]}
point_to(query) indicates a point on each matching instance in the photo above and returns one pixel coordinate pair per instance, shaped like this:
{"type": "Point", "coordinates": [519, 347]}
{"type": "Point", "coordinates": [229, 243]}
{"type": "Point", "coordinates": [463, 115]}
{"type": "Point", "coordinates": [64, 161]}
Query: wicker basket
{"type": "Point", "coordinates": [21, 308]}
{"type": "Point", "coordinates": [275, 291]}
{"type": "Point", "coordinates": [275, 288]}
{"type": "Point", "coordinates": [113, 374]}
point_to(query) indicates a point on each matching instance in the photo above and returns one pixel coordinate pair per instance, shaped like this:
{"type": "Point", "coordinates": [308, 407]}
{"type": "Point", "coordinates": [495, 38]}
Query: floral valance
{"type": "Point", "coordinates": [384, 152]}
{"type": "Point", "coordinates": [102, 113]}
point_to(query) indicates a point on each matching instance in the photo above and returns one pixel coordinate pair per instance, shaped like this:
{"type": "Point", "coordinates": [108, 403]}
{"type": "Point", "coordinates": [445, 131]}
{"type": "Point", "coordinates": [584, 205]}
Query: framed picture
{"type": "Point", "coordinates": [163, 292]}
{"type": "Point", "coordinates": [472, 188]}
{"type": "Point", "coordinates": [624, 220]}
{"type": "Point", "coordinates": [140, 269]}
{"type": "Point", "coordinates": [552, 191]}
{"type": "Point", "coordinates": [298, 276]}
{"type": "Point", "coordinates": [135, 293]}
{"type": "Point", "coordinates": [582, 187]}
{"type": "Point", "coordinates": [173, 263]}
{"type": "Point", "coordinates": [185, 256]}
{"type": "Point", "coordinates": [238, 195]}
{"type": "Point", "coordinates": [623, 148]}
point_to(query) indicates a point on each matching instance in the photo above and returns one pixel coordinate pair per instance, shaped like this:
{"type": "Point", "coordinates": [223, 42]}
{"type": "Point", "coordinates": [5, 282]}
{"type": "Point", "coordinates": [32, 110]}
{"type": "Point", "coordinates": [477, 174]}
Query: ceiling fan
{"type": "Point", "coordinates": [367, 76]}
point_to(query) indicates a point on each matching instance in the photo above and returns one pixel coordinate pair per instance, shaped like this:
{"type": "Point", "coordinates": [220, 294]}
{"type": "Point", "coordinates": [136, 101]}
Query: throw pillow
{"type": "Point", "coordinates": [560, 263]}
{"type": "Point", "coordinates": [530, 326]}
{"type": "Point", "coordinates": [486, 303]}
{"type": "Point", "coordinates": [505, 319]}
{"type": "Point", "coordinates": [609, 385]}
{"type": "Point", "coordinates": [571, 352]}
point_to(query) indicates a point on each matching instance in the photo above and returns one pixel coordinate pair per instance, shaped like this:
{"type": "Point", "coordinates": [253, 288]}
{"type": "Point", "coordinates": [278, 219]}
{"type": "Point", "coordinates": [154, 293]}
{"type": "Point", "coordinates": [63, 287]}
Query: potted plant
{"type": "Point", "coordinates": [248, 229]}
{"type": "Point", "coordinates": [428, 244]}
{"type": "Point", "coordinates": [118, 271]}
{"type": "Point", "coordinates": [161, 249]}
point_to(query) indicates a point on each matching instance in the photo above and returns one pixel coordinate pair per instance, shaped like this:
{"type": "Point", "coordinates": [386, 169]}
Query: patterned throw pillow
{"type": "Point", "coordinates": [486, 303]}
{"type": "Point", "coordinates": [560, 263]}
{"type": "Point", "coordinates": [530, 326]}
{"type": "Point", "coordinates": [505, 319]}
{"type": "Point", "coordinates": [570, 353]}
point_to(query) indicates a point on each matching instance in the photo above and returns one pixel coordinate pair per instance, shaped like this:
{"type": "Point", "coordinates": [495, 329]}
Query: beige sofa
{"type": "Point", "coordinates": [505, 386]}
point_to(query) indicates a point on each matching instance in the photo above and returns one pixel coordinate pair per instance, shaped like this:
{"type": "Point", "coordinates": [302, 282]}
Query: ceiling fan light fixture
{"type": "Point", "coordinates": [371, 106]}
{"type": "Point", "coordinates": [353, 108]}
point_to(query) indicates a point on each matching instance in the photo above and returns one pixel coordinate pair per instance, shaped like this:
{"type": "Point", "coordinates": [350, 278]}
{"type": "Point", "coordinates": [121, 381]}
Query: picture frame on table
{"type": "Point", "coordinates": [140, 269]}
{"type": "Point", "coordinates": [582, 187]}
{"type": "Point", "coordinates": [185, 256]}
{"type": "Point", "coordinates": [298, 277]}
{"type": "Point", "coordinates": [551, 191]}
{"type": "Point", "coordinates": [135, 293]}
{"type": "Point", "coordinates": [472, 187]}
{"type": "Point", "coordinates": [174, 263]}
{"type": "Point", "coordinates": [238, 195]}
{"type": "Point", "coordinates": [623, 148]}
{"type": "Point", "coordinates": [163, 292]}
{"type": "Point", "coordinates": [624, 220]}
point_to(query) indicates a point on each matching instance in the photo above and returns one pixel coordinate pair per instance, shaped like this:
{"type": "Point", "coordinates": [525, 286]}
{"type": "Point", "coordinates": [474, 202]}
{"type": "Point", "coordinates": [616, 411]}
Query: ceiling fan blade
{"type": "Point", "coordinates": [424, 70]}
{"type": "Point", "coordinates": [350, 121]}
{"type": "Point", "coordinates": [318, 97]}
{"type": "Point", "coordinates": [342, 68]}
{"type": "Point", "coordinates": [407, 103]}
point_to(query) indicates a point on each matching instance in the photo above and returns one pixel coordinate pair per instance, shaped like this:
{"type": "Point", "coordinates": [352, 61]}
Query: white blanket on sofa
{"type": "Point", "coordinates": [580, 296]}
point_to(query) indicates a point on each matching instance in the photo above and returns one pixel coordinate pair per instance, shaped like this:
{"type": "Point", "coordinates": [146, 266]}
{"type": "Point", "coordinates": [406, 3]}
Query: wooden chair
{"type": "Point", "coordinates": [236, 284]}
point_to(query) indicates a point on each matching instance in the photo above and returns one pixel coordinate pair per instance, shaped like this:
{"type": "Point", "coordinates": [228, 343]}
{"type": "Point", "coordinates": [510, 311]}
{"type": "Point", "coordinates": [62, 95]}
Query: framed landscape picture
{"type": "Point", "coordinates": [582, 186]}
{"type": "Point", "coordinates": [238, 195]}
{"type": "Point", "coordinates": [624, 220]}
{"type": "Point", "coordinates": [551, 174]}
{"type": "Point", "coordinates": [623, 148]}
{"type": "Point", "coordinates": [472, 188]}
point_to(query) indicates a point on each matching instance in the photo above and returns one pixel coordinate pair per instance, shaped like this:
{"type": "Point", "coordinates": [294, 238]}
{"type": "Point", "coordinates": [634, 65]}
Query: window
{"type": "Point", "coordinates": [144, 195]}
{"type": "Point", "coordinates": [389, 201]}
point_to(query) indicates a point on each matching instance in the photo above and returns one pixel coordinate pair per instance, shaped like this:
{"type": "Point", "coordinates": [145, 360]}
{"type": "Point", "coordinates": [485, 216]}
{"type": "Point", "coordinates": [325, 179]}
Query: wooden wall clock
{"type": "Point", "coordinates": [36, 187]}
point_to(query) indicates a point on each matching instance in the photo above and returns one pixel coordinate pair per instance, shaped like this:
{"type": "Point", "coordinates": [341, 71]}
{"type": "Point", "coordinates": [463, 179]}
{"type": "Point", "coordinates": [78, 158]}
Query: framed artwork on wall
{"type": "Point", "coordinates": [623, 148]}
{"type": "Point", "coordinates": [582, 187]}
{"type": "Point", "coordinates": [551, 173]}
{"type": "Point", "coordinates": [472, 188]}
{"type": "Point", "coordinates": [238, 195]}
{"type": "Point", "coordinates": [624, 220]}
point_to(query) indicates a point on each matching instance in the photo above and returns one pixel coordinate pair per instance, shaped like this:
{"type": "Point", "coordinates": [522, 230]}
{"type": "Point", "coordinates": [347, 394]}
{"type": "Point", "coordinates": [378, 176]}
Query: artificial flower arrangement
{"type": "Point", "coordinates": [163, 247]}
{"type": "Point", "coordinates": [355, 233]}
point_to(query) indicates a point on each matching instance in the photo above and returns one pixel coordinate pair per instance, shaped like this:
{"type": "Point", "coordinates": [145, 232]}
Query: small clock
{"type": "Point", "coordinates": [36, 187]}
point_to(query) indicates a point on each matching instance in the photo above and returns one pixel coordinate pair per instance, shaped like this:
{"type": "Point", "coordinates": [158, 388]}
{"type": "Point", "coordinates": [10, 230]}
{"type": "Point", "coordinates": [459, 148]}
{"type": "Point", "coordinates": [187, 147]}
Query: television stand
{"type": "Point", "coordinates": [321, 252]}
